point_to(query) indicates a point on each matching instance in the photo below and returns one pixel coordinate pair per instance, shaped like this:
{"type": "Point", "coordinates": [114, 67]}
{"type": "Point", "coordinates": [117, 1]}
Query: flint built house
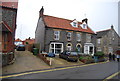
{"type": "Point", "coordinates": [7, 29]}
{"type": "Point", "coordinates": [57, 35]}
{"type": "Point", "coordinates": [108, 41]}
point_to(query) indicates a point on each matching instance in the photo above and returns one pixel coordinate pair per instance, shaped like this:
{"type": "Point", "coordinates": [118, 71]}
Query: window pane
{"type": "Point", "coordinates": [56, 35]}
{"type": "Point", "coordinates": [57, 50]}
{"type": "Point", "coordinates": [88, 38]}
{"type": "Point", "coordinates": [78, 37]}
{"type": "Point", "coordinates": [52, 45]}
{"type": "Point", "coordinates": [68, 35]}
{"type": "Point", "coordinates": [58, 45]}
{"type": "Point", "coordinates": [99, 41]}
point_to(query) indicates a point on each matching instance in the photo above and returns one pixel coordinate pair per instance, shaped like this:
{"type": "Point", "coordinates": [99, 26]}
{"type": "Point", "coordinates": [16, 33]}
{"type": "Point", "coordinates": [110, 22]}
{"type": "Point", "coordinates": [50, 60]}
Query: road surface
{"type": "Point", "coordinates": [95, 71]}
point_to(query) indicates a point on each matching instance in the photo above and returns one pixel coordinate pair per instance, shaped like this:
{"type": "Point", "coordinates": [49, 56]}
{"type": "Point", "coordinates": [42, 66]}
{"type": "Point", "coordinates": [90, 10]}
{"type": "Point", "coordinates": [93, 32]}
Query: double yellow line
{"type": "Point", "coordinates": [15, 75]}
{"type": "Point", "coordinates": [111, 76]}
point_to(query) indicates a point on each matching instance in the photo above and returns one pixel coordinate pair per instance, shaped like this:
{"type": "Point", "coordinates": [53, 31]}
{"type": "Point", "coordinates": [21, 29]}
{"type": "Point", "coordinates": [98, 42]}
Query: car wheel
{"type": "Point", "coordinates": [60, 56]}
{"type": "Point", "coordinates": [67, 59]}
{"type": "Point", "coordinates": [76, 60]}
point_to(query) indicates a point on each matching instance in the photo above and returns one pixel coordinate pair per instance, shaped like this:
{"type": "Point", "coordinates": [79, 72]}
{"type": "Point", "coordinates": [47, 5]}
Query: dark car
{"type": "Point", "coordinates": [20, 47]}
{"type": "Point", "coordinates": [51, 55]}
{"type": "Point", "coordinates": [69, 56]}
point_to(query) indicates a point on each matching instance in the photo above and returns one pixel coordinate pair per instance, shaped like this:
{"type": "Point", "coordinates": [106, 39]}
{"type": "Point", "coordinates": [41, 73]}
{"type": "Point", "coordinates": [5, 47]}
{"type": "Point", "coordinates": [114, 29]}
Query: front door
{"type": "Point", "coordinates": [89, 48]}
{"type": "Point", "coordinates": [78, 48]}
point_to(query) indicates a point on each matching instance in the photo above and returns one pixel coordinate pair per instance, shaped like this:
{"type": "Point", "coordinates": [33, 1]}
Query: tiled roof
{"type": "Point", "coordinates": [18, 40]}
{"type": "Point", "coordinates": [13, 5]}
{"type": "Point", "coordinates": [30, 41]}
{"type": "Point", "coordinates": [102, 33]}
{"type": "Point", "coordinates": [103, 30]}
{"type": "Point", "coordinates": [61, 23]}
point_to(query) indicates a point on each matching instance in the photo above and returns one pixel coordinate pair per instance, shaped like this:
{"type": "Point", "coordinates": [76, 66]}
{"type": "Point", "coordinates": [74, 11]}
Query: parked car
{"type": "Point", "coordinates": [20, 47]}
{"type": "Point", "coordinates": [50, 54]}
{"type": "Point", "coordinates": [69, 56]}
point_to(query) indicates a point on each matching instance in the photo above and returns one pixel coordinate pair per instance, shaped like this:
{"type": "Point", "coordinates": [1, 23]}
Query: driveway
{"type": "Point", "coordinates": [25, 61]}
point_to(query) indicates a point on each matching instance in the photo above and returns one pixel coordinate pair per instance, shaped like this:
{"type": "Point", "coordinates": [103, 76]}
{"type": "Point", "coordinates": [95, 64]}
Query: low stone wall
{"type": "Point", "coordinates": [43, 57]}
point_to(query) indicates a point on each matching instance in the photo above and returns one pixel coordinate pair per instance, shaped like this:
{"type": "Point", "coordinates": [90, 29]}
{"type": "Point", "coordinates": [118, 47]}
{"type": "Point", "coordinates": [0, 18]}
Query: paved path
{"type": "Point", "coordinates": [25, 61]}
{"type": "Point", "coordinates": [97, 71]}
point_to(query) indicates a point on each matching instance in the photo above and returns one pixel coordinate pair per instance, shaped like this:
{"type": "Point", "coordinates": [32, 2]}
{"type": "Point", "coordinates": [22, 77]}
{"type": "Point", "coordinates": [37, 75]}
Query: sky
{"type": "Point", "coordinates": [101, 14]}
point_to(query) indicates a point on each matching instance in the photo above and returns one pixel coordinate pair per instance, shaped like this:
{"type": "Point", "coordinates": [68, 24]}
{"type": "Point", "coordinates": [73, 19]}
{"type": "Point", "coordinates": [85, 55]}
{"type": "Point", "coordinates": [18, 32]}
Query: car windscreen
{"type": "Point", "coordinates": [21, 45]}
{"type": "Point", "coordinates": [73, 53]}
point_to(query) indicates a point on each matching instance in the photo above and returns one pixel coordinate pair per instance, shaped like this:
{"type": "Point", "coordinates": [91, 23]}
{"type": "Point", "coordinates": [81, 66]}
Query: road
{"type": "Point", "coordinates": [95, 71]}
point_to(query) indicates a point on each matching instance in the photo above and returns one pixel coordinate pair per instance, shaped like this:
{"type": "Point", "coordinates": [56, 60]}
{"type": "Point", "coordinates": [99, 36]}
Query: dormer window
{"type": "Point", "coordinates": [74, 23]}
{"type": "Point", "coordinates": [84, 25]}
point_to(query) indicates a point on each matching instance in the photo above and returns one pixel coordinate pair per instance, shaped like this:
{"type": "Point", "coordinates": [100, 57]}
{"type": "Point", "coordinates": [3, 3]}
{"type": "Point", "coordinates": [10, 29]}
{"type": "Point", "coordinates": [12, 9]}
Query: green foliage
{"type": "Point", "coordinates": [27, 43]}
{"type": "Point", "coordinates": [85, 57]}
{"type": "Point", "coordinates": [99, 53]}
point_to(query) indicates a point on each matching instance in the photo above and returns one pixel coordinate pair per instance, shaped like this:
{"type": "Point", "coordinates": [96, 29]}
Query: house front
{"type": "Point", "coordinates": [7, 28]}
{"type": "Point", "coordinates": [107, 41]}
{"type": "Point", "coordinates": [58, 34]}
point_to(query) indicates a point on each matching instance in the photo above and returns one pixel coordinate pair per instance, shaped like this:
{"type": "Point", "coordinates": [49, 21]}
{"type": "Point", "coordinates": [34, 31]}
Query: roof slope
{"type": "Point", "coordinates": [102, 33]}
{"type": "Point", "coordinates": [61, 23]}
{"type": "Point", "coordinates": [18, 40]}
{"type": "Point", "coordinates": [13, 5]}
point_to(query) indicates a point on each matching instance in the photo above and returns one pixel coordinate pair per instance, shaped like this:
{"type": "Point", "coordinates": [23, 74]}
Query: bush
{"type": "Point", "coordinates": [100, 54]}
{"type": "Point", "coordinates": [86, 59]}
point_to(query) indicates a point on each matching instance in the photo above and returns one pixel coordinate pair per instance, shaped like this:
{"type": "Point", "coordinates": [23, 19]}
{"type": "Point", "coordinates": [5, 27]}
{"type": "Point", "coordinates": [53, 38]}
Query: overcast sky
{"type": "Point", "coordinates": [101, 14]}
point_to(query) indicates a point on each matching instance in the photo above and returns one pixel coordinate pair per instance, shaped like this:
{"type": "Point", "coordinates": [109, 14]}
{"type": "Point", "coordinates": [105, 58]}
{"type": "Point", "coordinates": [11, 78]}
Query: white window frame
{"type": "Point", "coordinates": [74, 24]}
{"type": "Point", "coordinates": [54, 48]}
{"type": "Point", "coordinates": [88, 38]}
{"type": "Point", "coordinates": [99, 49]}
{"type": "Point", "coordinates": [110, 49]}
{"type": "Point", "coordinates": [78, 37]}
{"type": "Point", "coordinates": [99, 41]}
{"type": "Point", "coordinates": [87, 48]}
{"type": "Point", "coordinates": [56, 35]}
{"type": "Point", "coordinates": [113, 34]}
{"type": "Point", "coordinates": [110, 41]}
{"type": "Point", "coordinates": [69, 47]}
{"type": "Point", "coordinates": [84, 25]}
{"type": "Point", "coordinates": [69, 35]}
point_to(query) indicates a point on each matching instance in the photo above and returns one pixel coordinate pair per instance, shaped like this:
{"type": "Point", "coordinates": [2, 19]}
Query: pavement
{"type": "Point", "coordinates": [26, 61]}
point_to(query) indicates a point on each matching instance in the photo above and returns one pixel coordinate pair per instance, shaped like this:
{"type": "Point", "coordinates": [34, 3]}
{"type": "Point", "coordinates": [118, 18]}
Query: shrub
{"type": "Point", "coordinates": [99, 54]}
{"type": "Point", "coordinates": [86, 59]}
{"type": "Point", "coordinates": [27, 43]}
